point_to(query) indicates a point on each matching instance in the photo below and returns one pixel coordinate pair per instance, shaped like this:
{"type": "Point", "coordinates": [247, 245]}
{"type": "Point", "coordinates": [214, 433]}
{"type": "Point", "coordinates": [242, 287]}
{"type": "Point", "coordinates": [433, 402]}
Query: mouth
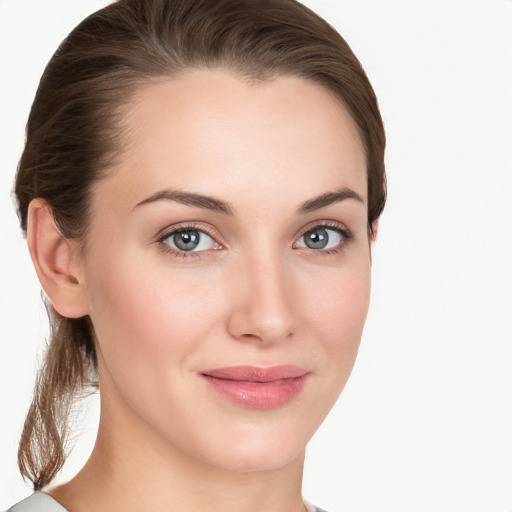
{"type": "Point", "coordinates": [257, 387]}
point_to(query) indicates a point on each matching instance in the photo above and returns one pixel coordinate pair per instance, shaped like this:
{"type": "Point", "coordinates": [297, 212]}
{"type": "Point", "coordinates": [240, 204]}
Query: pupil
{"type": "Point", "coordinates": [317, 239]}
{"type": "Point", "coordinates": [186, 240]}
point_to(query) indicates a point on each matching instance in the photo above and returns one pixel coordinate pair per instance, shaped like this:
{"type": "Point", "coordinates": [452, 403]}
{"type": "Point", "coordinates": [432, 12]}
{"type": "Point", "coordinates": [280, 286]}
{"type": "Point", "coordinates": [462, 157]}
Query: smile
{"type": "Point", "coordinates": [256, 387]}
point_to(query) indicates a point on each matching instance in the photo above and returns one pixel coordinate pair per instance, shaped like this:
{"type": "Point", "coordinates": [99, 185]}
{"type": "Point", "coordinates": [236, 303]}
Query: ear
{"type": "Point", "coordinates": [56, 260]}
{"type": "Point", "coordinates": [375, 230]}
{"type": "Point", "coordinates": [373, 236]}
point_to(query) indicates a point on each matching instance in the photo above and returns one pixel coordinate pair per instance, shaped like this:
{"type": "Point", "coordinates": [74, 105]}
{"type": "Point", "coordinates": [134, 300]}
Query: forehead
{"type": "Point", "coordinates": [213, 133]}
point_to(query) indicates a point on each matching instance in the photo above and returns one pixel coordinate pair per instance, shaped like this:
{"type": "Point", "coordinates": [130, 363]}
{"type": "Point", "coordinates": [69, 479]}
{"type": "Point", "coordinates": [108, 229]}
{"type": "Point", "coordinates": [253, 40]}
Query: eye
{"type": "Point", "coordinates": [322, 238]}
{"type": "Point", "coordinates": [189, 240]}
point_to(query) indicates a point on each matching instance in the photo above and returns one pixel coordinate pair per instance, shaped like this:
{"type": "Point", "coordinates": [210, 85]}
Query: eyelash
{"type": "Point", "coordinates": [184, 227]}
{"type": "Point", "coordinates": [345, 234]}
{"type": "Point", "coordinates": [346, 237]}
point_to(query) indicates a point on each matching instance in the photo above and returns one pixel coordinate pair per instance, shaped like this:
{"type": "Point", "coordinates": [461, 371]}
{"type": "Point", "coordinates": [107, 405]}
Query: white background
{"type": "Point", "coordinates": [425, 422]}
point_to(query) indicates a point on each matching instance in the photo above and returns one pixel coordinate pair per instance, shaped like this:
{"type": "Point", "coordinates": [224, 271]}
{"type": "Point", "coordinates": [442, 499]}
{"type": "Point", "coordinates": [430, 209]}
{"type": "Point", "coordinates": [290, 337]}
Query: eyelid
{"type": "Point", "coordinates": [339, 226]}
{"type": "Point", "coordinates": [183, 226]}
{"type": "Point", "coordinates": [345, 233]}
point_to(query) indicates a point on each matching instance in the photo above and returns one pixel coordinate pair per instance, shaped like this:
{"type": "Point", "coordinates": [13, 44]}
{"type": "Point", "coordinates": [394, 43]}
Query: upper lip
{"type": "Point", "coordinates": [251, 373]}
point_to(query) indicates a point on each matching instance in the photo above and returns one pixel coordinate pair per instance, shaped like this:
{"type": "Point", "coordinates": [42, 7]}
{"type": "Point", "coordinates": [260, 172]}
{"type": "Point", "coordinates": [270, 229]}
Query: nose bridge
{"type": "Point", "coordinates": [263, 306]}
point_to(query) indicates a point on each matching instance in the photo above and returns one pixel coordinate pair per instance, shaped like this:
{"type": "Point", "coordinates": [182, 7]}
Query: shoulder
{"type": "Point", "coordinates": [41, 502]}
{"type": "Point", "coordinates": [312, 508]}
{"type": "Point", "coordinates": [38, 502]}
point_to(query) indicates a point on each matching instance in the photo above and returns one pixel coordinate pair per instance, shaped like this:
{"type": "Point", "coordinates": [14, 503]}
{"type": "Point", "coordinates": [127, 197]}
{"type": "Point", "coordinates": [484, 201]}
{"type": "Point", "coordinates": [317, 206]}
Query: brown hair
{"type": "Point", "coordinates": [73, 137]}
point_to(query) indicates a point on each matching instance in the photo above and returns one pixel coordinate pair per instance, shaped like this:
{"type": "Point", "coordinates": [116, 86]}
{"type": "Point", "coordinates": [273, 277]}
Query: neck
{"type": "Point", "coordinates": [151, 475]}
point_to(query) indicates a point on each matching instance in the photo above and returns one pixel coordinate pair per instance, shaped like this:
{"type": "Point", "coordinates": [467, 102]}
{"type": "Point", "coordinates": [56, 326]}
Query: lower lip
{"type": "Point", "coordinates": [258, 395]}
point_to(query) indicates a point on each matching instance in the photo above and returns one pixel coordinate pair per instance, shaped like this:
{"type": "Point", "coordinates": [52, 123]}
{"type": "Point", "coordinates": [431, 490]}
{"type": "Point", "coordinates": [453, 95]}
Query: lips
{"type": "Point", "coordinates": [257, 387]}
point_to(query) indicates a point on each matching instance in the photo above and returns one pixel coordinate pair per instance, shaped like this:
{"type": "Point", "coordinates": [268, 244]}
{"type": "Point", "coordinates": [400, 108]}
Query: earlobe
{"type": "Point", "coordinates": [55, 259]}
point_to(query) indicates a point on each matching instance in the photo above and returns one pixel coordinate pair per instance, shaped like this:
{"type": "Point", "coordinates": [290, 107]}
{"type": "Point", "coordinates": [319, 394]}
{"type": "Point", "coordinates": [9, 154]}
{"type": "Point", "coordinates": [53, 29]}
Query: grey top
{"type": "Point", "coordinates": [38, 502]}
{"type": "Point", "coordinates": [41, 502]}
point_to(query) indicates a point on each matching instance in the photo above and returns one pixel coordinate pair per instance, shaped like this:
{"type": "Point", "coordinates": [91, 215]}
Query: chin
{"type": "Point", "coordinates": [257, 451]}
{"type": "Point", "coordinates": [257, 462]}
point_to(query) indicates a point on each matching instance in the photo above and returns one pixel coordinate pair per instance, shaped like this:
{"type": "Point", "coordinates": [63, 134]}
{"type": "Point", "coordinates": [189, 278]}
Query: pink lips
{"type": "Point", "coordinates": [258, 387]}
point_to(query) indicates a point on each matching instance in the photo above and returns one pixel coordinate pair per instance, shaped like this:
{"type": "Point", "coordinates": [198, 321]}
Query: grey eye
{"type": "Point", "coordinates": [320, 238]}
{"type": "Point", "coordinates": [189, 240]}
{"type": "Point", "coordinates": [186, 240]}
{"type": "Point", "coordinates": [316, 239]}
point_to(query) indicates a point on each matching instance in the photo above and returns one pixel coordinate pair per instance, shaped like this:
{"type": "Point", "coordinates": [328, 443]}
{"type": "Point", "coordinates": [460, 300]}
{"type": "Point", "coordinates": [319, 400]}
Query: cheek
{"type": "Point", "coordinates": [337, 310]}
{"type": "Point", "coordinates": [150, 327]}
{"type": "Point", "coordinates": [336, 314]}
{"type": "Point", "coordinates": [146, 311]}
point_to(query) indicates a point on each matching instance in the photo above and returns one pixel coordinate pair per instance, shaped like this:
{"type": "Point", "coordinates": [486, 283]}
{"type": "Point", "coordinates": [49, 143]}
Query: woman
{"type": "Point", "coordinates": [200, 188]}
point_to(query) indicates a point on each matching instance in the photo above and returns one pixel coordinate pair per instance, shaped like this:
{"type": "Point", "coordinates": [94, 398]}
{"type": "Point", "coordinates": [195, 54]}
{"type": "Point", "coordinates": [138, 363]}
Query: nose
{"type": "Point", "coordinates": [262, 301]}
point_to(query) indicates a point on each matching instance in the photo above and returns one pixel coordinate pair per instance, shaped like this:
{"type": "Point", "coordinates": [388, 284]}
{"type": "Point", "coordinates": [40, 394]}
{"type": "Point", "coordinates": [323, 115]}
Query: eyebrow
{"type": "Point", "coordinates": [217, 205]}
{"type": "Point", "coordinates": [328, 199]}
{"type": "Point", "coordinates": [190, 199]}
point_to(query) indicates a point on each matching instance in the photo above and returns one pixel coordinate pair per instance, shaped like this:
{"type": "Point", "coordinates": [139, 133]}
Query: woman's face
{"type": "Point", "coordinates": [227, 271]}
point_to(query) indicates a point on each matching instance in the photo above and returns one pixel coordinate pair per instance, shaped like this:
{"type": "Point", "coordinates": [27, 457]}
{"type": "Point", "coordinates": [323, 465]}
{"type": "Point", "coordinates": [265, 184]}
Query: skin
{"type": "Point", "coordinates": [255, 295]}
